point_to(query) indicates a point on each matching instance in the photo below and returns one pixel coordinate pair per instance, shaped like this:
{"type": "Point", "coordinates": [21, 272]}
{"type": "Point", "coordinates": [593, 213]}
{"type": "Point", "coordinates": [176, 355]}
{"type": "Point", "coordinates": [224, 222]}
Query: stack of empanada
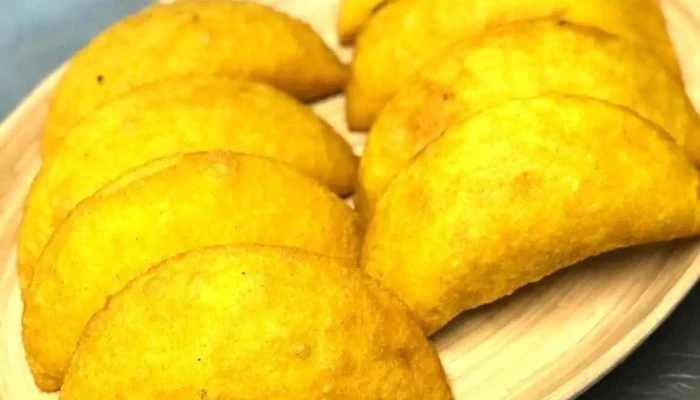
{"type": "Point", "coordinates": [185, 238]}
{"type": "Point", "coordinates": [516, 139]}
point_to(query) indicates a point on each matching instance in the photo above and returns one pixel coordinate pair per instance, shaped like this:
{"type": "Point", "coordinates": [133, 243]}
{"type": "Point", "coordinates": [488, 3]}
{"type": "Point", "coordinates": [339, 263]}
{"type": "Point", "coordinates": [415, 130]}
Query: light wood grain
{"type": "Point", "coordinates": [550, 340]}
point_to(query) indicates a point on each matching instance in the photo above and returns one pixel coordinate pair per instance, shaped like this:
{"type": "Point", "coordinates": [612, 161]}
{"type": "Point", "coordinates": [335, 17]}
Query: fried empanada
{"type": "Point", "coordinates": [231, 38]}
{"type": "Point", "coordinates": [404, 35]}
{"type": "Point", "coordinates": [178, 116]}
{"type": "Point", "coordinates": [521, 60]}
{"type": "Point", "coordinates": [159, 210]}
{"type": "Point", "coordinates": [519, 191]}
{"type": "Point", "coordinates": [254, 322]}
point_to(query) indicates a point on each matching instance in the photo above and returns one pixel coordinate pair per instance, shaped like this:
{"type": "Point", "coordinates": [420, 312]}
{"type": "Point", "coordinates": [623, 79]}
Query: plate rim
{"type": "Point", "coordinates": [635, 337]}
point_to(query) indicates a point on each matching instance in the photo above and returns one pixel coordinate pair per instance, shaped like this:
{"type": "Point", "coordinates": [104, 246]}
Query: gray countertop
{"type": "Point", "coordinates": [38, 35]}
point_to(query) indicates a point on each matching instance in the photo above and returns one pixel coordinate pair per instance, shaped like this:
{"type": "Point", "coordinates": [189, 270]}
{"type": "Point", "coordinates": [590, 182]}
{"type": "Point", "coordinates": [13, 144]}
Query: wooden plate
{"type": "Point", "coordinates": [551, 340]}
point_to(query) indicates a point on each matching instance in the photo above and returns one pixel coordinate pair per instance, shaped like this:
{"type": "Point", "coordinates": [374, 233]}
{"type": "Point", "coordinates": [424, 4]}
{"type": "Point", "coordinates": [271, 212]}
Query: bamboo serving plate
{"type": "Point", "coordinates": [550, 340]}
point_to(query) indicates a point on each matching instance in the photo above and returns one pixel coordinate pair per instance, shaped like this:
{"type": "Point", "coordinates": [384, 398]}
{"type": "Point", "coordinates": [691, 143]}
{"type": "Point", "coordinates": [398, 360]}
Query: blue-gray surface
{"type": "Point", "coordinates": [37, 35]}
